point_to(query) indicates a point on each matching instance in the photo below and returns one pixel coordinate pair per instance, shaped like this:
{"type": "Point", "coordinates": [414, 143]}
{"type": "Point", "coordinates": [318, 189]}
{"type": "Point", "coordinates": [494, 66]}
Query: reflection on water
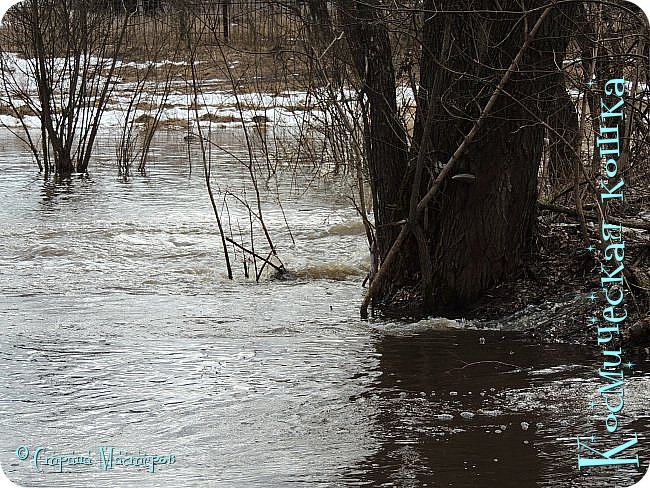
{"type": "Point", "coordinates": [480, 408]}
{"type": "Point", "coordinates": [120, 329]}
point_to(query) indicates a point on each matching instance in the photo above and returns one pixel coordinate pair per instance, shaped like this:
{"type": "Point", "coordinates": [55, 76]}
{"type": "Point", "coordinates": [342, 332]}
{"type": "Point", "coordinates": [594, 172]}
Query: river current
{"type": "Point", "coordinates": [120, 329]}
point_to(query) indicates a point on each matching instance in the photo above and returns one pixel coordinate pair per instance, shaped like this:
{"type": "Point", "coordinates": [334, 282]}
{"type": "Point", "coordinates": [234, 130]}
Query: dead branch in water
{"type": "Point", "coordinates": [279, 269]}
{"type": "Point", "coordinates": [206, 162]}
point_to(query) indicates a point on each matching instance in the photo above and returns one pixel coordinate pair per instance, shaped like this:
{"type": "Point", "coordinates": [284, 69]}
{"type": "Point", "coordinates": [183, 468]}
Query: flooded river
{"type": "Point", "coordinates": [120, 329]}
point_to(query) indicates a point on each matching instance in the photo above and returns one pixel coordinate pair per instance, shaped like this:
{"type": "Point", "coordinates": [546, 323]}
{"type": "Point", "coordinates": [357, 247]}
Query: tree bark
{"type": "Point", "coordinates": [477, 230]}
{"type": "Point", "coordinates": [369, 43]}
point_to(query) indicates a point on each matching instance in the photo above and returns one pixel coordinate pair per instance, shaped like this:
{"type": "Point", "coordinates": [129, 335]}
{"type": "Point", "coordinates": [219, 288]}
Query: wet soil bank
{"type": "Point", "coordinates": [550, 298]}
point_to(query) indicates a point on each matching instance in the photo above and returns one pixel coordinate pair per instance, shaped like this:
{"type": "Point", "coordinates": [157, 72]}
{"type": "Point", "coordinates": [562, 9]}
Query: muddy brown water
{"type": "Point", "coordinates": [119, 328]}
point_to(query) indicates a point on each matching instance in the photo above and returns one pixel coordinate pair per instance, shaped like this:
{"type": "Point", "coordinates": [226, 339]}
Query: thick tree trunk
{"type": "Point", "coordinates": [477, 231]}
{"type": "Point", "coordinates": [387, 147]}
{"type": "Point", "coordinates": [480, 229]}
